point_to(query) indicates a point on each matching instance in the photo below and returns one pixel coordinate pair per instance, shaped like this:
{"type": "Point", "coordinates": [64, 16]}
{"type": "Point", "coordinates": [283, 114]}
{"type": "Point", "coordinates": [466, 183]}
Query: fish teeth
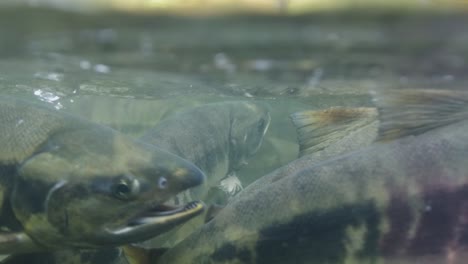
{"type": "Point", "coordinates": [191, 205]}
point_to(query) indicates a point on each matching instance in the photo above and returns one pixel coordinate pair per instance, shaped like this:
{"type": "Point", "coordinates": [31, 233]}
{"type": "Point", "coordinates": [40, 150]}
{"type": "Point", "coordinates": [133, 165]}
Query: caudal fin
{"type": "Point", "coordinates": [416, 111]}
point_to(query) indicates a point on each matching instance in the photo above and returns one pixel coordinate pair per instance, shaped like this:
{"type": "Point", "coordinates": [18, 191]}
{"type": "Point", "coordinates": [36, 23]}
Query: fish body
{"type": "Point", "coordinates": [219, 138]}
{"type": "Point", "coordinates": [401, 201]}
{"type": "Point", "coordinates": [68, 183]}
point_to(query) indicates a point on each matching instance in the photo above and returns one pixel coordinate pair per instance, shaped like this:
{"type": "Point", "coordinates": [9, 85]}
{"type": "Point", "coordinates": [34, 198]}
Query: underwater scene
{"type": "Point", "coordinates": [206, 132]}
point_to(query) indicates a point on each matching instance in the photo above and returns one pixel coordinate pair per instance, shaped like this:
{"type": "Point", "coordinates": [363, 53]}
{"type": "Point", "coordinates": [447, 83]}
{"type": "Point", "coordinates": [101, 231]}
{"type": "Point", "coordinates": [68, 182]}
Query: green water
{"type": "Point", "coordinates": [130, 72]}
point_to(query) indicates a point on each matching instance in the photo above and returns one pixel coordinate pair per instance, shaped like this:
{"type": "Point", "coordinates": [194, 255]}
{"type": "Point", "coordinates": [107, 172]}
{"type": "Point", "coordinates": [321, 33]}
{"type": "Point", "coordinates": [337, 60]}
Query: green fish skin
{"type": "Point", "coordinates": [218, 138]}
{"type": "Point", "coordinates": [396, 201]}
{"type": "Point", "coordinates": [69, 183]}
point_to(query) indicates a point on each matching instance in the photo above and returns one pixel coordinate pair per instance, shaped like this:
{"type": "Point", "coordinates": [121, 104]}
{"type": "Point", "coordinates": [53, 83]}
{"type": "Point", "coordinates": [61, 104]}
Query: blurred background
{"type": "Point", "coordinates": [217, 7]}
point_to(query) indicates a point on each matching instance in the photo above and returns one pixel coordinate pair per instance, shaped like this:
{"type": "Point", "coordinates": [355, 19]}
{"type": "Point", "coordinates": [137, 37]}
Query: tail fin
{"type": "Point", "coordinates": [415, 111]}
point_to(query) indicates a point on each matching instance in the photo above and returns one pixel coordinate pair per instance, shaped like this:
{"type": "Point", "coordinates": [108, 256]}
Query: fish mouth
{"type": "Point", "coordinates": [155, 221]}
{"type": "Point", "coordinates": [167, 213]}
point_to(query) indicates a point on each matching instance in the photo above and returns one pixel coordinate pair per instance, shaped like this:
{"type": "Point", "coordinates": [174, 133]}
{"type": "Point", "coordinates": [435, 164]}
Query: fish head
{"type": "Point", "coordinates": [91, 188]}
{"type": "Point", "coordinates": [249, 124]}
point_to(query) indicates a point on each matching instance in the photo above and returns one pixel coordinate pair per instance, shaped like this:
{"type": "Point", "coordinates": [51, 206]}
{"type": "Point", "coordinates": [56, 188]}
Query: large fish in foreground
{"type": "Point", "coordinates": [218, 138]}
{"type": "Point", "coordinates": [404, 200]}
{"type": "Point", "coordinates": [69, 183]}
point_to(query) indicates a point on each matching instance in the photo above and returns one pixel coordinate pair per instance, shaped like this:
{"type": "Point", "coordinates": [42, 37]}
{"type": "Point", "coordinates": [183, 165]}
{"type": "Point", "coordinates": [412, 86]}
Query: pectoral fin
{"type": "Point", "coordinates": [231, 184]}
{"type": "Point", "coordinates": [17, 242]}
{"type": "Point", "coordinates": [415, 111]}
{"type": "Point", "coordinates": [316, 130]}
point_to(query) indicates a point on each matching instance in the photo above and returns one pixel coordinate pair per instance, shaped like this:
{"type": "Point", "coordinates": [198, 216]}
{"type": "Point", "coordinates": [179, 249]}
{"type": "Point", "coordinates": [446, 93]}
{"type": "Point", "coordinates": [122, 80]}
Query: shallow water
{"type": "Point", "coordinates": [131, 72]}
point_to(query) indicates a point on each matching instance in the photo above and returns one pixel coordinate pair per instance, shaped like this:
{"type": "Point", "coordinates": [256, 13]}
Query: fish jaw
{"type": "Point", "coordinates": [154, 222]}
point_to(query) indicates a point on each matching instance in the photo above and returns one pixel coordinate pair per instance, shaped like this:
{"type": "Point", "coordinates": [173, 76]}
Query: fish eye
{"type": "Point", "coordinates": [125, 189]}
{"type": "Point", "coordinates": [162, 183]}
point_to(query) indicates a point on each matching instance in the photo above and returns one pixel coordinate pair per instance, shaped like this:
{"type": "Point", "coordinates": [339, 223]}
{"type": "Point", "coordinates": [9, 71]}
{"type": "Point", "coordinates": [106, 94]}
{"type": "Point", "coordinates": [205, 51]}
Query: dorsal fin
{"type": "Point", "coordinates": [415, 111]}
{"type": "Point", "coordinates": [316, 130]}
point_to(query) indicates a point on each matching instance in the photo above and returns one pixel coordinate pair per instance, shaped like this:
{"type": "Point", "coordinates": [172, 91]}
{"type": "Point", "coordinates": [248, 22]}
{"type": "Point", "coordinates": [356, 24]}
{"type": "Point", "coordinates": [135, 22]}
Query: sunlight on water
{"type": "Point", "coordinates": [48, 97]}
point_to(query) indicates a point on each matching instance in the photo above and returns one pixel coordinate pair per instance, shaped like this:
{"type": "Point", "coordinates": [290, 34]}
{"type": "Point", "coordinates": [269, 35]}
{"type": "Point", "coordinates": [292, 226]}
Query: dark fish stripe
{"type": "Point", "coordinates": [440, 220]}
{"type": "Point", "coordinates": [400, 219]}
{"type": "Point", "coordinates": [320, 236]}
